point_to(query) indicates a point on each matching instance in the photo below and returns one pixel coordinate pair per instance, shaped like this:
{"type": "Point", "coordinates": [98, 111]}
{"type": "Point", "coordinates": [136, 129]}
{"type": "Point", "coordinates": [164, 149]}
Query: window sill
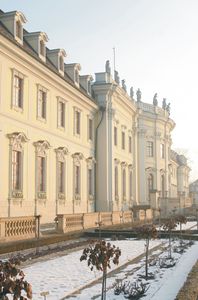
{"type": "Point", "coordinates": [43, 120]}
{"type": "Point", "coordinates": [41, 195]}
{"type": "Point", "coordinates": [61, 128]}
{"type": "Point", "coordinates": [17, 194]}
{"type": "Point", "coordinates": [17, 108]}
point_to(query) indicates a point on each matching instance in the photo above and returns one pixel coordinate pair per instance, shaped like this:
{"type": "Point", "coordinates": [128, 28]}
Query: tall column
{"type": "Point", "coordinates": [141, 164]}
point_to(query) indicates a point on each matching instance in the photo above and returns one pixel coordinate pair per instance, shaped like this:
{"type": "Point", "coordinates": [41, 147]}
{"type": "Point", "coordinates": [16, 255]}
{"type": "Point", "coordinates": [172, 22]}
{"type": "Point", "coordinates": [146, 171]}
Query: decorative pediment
{"type": "Point", "coordinates": [90, 162]}
{"type": "Point", "coordinates": [17, 139]}
{"type": "Point", "coordinates": [78, 156]}
{"type": "Point", "coordinates": [116, 161]}
{"type": "Point", "coordinates": [61, 152]}
{"type": "Point", "coordinates": [123, 164]}
{"type": "Point", "coordinates": [42, 147]}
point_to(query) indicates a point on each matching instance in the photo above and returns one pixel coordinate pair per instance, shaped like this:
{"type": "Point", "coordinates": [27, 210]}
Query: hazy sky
{"type": "Point", "coordinates": [156, 45]}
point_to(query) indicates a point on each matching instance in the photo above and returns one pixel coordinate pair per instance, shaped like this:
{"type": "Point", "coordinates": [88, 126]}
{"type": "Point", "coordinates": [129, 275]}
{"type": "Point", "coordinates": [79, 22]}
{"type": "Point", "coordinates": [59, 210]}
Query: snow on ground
{"type": "Point", "coordinates": [165, 286]}
{"type": "Point", "coordinates": [62, 275]}
{"type": "Point", "coordinates": [188, 225]}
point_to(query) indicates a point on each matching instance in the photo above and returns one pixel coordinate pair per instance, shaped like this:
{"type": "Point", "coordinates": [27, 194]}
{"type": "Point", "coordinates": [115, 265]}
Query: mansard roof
{"type": "Point", "coordinates": [29, 50]}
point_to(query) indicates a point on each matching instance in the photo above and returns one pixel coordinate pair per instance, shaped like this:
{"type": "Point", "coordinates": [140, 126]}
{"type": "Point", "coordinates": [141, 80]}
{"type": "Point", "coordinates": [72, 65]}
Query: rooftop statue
{"type": "Point", "coordinates": [168, 107]}
{"type": "Point", "coordinates": [155, 102]}
{"type": "Point", "coordinates": [117, 78]}
{"type": "Point", "coordinates": [107, 67]}
{"type": "Point", "coordinates": [139, 95]}
{"type": "Point", "coordinates": [131, 92]}
{"type": "Point", "coordinates": [164, 103]}
{"type": "Point", "coordinates": [124, 85]}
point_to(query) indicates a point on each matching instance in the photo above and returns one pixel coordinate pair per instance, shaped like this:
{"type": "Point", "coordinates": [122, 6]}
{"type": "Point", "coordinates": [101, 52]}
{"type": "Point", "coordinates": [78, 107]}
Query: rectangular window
{"type": "Point", "coordinates": [90, 129]}
{"type": "Point", "coordinates": [149, 149]}
{"type": "Point", "coordinates": [41, 174]}
{"type": "Point", "coordinates": [162, 153]}
{"type": "Point", "coordinates": [16, 171]}
{"type": "Point", "coordinates": [18, 30]}
{"type": "Point", "coordinates": [77, 180]}
{"type": "Point", "coordinates": [18, 91]}
{"type": "Point", "coordinates": [90, 182]}
{"type": "Point", "coordinates": [61, 177]}
{"type": "Point", "coordinates": [42, 48]}
{"type": "Point", "coordinates": [42, 103]}
{"type": "Point", "coordinates": [77, 122]}
{"type": "Point", "coordinates": [130, 144]}
{"type": "Point", "coordinates": [61, 114]}
{"type": "Point", "coordinates": [115, 136]}
{"type": "Point", "coordinates": [123, 140]}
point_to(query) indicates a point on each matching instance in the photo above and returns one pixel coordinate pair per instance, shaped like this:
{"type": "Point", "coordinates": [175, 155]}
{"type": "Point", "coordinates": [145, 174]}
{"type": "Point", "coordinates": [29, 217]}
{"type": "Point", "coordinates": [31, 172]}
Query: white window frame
{"type": "Point", "coordinates": [42, 109]}
{"type": "Point", "coordinates": [77, 157]}
{"type": "Point", "coordinates": [90, 133]}
{"type": "Point", "coordinates": [61, 153]}
{"type": "Point", "coordinates": [60, 124]}
{"type": "Point", "coordinates": [17, 140]}
{"type": "Point", "coordinates": [149, 149]}
{"type": "Point", "coordinates": [90, 179]}
{"type": "Point", "coordinates": [41, 148]}
{"type": "Point", "coordinates": [15, 102]}
{"type": "Point", "coordinates": [77, 130]}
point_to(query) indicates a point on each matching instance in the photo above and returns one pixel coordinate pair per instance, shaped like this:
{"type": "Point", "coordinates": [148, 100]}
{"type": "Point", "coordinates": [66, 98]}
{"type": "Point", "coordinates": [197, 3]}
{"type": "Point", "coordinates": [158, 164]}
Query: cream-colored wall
{"type": "Point", "coordinates": [26, 121]}
{"type": "Point", "coordinates": [153, 125]}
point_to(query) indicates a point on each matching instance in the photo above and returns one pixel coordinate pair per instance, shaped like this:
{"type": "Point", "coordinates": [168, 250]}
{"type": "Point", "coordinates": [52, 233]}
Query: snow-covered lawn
{"type": "Point", "coordinates": [165, 286]}
{"type": "Point", "coordinates": [62, 275]}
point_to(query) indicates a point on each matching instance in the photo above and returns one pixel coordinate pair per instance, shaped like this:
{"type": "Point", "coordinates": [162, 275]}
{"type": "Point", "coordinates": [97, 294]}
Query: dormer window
{"type": "Point", "coordinates": [37, 41]}
{"type": "Point", "coordinates": [18, 30]}
{"type": "Point", "coordinates": [14, 21]}
{"type": "Point", "coordinates": [56, 56]}
{"type": "Point", "coordinates": [61, 63]}
{"type": "Point", "coordinates": [85, 82]}
{"type": "Point", "coordinates": [76, 78]}
{"type": "Point", "coordinates": [42, 48]}
{"type": "Point", "coordinates": [72, 71]}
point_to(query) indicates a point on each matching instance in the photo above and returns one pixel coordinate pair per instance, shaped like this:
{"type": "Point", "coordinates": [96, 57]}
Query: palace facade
{"type": "Point", "coordinates": [70, 144]}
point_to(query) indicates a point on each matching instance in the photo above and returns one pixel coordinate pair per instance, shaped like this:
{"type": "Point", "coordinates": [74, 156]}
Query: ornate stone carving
{"type": "Point", "coordinates": [41, 147]}
{"type": "Point", "coordinates": [116, 161]}
{"type": "Point", "coordinates": [61, 152]}
{"type": "Point", "coordinates": [77, 157]}
{"type": "Point", "coordinates": [116, 76]}
{"type": "Point", "coordinates": [131, 92]}
{"type": "Point", "coordinates": [123, 164]}
{"type": "Point", "coordinates": [139, 95]}
{"type": "Point", "coordinates": [164, 103]}
{"type": "Point", "coordinates": [155, 102]}
{"type": "Point", "coordinates": [124, 85]}
{"type": "Point", "coordinates": [90, 162]}
{"type": "Point", "coordinates": [16, 140]}
{"type": "Point", "coordinates": [107, 67]}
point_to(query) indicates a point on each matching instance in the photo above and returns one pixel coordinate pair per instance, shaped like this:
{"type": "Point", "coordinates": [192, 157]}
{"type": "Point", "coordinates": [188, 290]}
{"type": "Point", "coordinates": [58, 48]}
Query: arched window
{"type": "Point", "coordinates": [124, 183]}
{"type": "Point", "coordinates": [116, 181]}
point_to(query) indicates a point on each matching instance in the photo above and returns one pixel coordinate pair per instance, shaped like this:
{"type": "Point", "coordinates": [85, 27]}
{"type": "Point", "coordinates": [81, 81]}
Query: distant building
{"type": "Point", "coordinates": [73, 145]}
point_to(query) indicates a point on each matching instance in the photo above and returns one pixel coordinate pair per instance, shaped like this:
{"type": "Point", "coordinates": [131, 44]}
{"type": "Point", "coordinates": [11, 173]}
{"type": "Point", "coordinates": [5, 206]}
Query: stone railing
{"type": "Point", "coordinates": [18, 228]}
{"type": "Point", "coordinates": [75, 222]}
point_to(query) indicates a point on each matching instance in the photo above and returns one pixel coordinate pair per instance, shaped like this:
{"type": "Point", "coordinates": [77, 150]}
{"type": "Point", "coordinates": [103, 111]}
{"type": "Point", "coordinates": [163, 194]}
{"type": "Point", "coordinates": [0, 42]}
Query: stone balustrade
{"type": "Point", "coordinates": [18, 228]}
{"type": "Point", "coordinates": [75, 222]}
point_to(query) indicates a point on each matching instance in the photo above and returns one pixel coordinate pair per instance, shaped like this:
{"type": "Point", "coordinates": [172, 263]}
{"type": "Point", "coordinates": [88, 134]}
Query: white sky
{"type": "Point", "coordinates": [156, 49]}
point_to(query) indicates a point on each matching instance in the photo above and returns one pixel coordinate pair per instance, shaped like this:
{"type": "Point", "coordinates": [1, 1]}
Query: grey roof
{"type": "Point", "coordinates": [48, 64]}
